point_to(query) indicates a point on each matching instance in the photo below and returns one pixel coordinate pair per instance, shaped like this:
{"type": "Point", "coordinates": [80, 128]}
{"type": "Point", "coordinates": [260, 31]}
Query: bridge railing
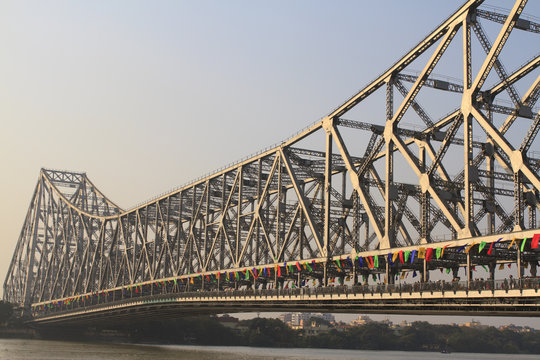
{"type": "Point", "coordinates": [372, 289]}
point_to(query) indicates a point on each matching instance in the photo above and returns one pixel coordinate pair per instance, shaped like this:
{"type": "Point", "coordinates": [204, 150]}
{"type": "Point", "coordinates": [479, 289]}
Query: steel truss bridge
{"type": "Point", "coordinates": [355, 213]}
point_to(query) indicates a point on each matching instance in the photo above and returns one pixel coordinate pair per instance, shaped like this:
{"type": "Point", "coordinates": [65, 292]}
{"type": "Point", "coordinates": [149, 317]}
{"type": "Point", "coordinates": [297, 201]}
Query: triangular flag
{"type": "Point", "coordinates": [442, 252]}
{"type": "Point", "coordinates": [376, 261]}
{"type": "Point", "coordinates": [490, 250]}
{"type": "Point", "coordinates": [429, 254]}
{"type": "Point", "coordinates": [470, 247]}
{"type": "Point", "coordinates": [484, 267]}
{"type": "Point", "coordinates": [438, 252]}
{"type": "Point", "coordinates": [523, 244]}
{"type": "Point", "coordinates": [413, 254]}
{"type": "Point", "coordinates": [535, 241]}
{"type": "Point", "coordinates": [512, 243]}
{"type": "Point", "coordinates": [481, 246]}
{"type": "Point", "coordinates": [407, 254]}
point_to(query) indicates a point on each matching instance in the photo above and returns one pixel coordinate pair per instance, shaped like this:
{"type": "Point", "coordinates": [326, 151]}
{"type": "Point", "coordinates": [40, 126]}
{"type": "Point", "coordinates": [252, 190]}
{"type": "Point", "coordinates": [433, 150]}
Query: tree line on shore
{"type": "Point", "coordinates": [264, 332]}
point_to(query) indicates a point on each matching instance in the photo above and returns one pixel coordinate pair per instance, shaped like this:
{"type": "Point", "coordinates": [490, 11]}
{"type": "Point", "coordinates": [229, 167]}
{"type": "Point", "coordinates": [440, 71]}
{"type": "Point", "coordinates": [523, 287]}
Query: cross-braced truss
{"type": "Point", "coordinates": [356, 181]}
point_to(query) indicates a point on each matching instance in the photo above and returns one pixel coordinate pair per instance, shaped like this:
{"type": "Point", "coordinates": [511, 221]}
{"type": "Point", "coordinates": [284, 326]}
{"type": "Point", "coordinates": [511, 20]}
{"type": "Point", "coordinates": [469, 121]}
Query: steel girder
{"type": "Point", "coordinates": [363, 187]}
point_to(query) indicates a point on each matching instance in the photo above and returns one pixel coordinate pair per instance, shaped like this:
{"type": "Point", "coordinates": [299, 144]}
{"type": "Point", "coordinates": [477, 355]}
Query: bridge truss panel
{"type": "Point", "coordinates": [340, 188]}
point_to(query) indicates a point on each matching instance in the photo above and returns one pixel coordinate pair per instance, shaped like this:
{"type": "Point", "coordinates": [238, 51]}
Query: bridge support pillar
{"type": "Point", "coordinates": [425, 272]}
{"type": "Point", "coordinates": [390, 273]}
{"type": "Point", "coordinates": [469, 271]}
{"type": "Point", "coordinates": [492, 267]}
{"type": "Point", "coordinates": [455, 271]}
{"type": "Point", "coordinates": [519, 265]}
{"type": "Point", "coordinates": [325, 274]}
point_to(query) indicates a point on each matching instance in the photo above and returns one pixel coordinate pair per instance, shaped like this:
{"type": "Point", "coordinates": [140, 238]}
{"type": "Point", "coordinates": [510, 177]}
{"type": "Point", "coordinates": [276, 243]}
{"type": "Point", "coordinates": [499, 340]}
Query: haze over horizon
{"type": "Point", "coordinates": [146, 96]}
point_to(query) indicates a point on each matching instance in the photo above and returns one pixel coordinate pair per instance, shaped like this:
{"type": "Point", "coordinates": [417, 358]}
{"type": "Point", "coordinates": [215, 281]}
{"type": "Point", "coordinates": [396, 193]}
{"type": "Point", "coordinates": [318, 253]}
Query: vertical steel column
{"type": "Point", "coordinates": [32, 242]}
{"type": "Point", "coordinates": [424, 199]}
{"type": "Point", "coordinates": [278, 202]}
{"type": "Point", "coordinates": [466, 107]}
{"type": "Point", "coordinates": [425, 274]}
{"type": "Point", "coordinates": [519, 265]}
{"type": "Point", "coordinates": [326, 195]}
{"type": "Point", "coordinates": [468, 270]}
{"type": "Point", "coordinates": [238, 216]}
{"type": "Point", "coordinates": [221, 235]}
{"type": "Point", "coordinates": [518, 201]}
{"type": "Point", "coordinates": [388, 133]}
{"type": "Point", "coordinates": [256, 217]}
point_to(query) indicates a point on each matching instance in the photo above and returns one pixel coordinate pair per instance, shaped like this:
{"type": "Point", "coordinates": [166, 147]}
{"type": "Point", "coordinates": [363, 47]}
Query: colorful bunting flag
{"type": "Point", "coordinates": [376, 261]}
{"type": "Point", "coordinates": [401, 259]}
{"type": "Point", "coordinates": [442, 252]}
{"type": "Point", "coordinates": [485, 268]}
{"type": "Point", "coordinates": [438, 252]}
{"type": "Point", "coordinates": [523, 244]}
{"type": "Point", "coordinates": [413, 254]}
{"type": "Point", "coordinates": [512, 243]}
{"type": "Point", "coordinates": [535, 241]}
{"type": "Point", "coordinates": [470, 247]}
{"type": "Point", "coordinates": [481, 246]}
{"type": "Point", "coordinates": [407, 254]}
{"type": "Point", "coordinates": [490, 250]}
{"type": "Point", "coordinates": [421, 252]}
{"type": "Point", "coordinates": [429, 254]}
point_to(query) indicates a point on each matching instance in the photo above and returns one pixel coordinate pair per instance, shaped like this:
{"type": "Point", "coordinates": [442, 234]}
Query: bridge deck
{"type": "Point", "coordinates": [519, 298]}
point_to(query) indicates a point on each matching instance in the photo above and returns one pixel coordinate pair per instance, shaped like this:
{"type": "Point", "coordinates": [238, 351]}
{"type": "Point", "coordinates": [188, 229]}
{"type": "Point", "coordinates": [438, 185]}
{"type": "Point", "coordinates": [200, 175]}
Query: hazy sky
{"type": "Point", "coordinates": [145, 95]}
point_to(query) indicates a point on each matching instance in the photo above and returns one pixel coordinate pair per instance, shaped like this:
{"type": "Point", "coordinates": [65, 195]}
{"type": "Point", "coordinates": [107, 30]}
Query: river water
{"type": "Point", "coordinates": [15, 349]}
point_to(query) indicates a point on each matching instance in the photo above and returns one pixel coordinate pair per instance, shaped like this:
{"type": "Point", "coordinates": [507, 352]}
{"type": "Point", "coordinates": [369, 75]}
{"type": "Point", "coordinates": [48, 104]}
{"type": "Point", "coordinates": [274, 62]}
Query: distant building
{"type": "Point", "coordinates": [362, 320]}
{"type": "Point", "coordinates": [341, 326]}
{"type": "Point", "coordinates": [286, 317]}
{"type": "Point", "coordinates": [325, 316]}
{"type": "Point", "coordinates": [474, 324]}
{"type": "Point", "coordinates": [315, 328]}
{"type": "Point", "coordinates": [515, 328]}
{"type": "Point", "coordinates": [300, 320]}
